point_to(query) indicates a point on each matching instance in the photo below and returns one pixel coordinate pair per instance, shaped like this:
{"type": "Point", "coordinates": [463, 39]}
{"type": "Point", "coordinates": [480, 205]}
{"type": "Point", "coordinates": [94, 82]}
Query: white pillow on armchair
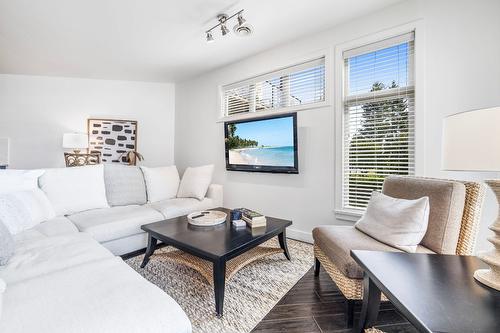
{"type": "Point", "coordinates": [400, 223]}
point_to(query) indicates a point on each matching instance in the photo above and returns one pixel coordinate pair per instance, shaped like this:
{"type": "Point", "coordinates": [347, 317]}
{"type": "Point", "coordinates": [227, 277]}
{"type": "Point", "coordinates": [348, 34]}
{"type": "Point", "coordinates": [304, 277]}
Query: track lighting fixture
{"type": "Point", "coordinates": [224, 30]}
{"type": "Point", "coordinates": [241, 20]}
{"type": "Point", "coordinates": [242, 28]}
{"type": "Point", "coordinates": [210, 38]}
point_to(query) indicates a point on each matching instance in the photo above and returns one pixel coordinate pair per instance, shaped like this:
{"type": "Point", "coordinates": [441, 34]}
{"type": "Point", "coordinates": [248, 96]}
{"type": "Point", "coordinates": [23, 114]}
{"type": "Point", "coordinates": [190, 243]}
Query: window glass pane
{"type": "Point", "coordinates": [381, 69]}
{"type": "Point", "coordinates": [269, 94]}
{"type": "Point", "coordinates": [238, 100]}
{"type": "Point", "coordinates": [297, 85]}
{"type": "Point", "coordinates": [308, 86]}
{"type": "Point", "coordinates": [379, 121]}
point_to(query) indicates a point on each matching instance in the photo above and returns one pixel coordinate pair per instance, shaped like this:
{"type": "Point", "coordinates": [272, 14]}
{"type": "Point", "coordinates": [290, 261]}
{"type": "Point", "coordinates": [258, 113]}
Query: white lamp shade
{"type": "Point", "coordinates": [75, 141]}
{"type": "Point", "coordinates": [471, 141]}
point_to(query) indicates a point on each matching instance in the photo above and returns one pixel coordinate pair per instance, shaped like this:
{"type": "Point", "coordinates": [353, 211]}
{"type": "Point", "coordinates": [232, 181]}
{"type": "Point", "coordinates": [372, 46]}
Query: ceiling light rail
{"type": "Point", "coordinates": [242, 28]}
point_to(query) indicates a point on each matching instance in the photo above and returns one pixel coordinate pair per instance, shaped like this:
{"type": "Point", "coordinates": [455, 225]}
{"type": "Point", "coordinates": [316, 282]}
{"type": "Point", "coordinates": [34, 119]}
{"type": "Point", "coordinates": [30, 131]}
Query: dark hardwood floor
{"type": "Point", "coordinates": [315, 304]}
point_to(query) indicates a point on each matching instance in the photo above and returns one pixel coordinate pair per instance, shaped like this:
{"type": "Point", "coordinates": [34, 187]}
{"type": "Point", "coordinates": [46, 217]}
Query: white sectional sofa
{"type": "Point", "coordinates": [117, 227]}
{"type": "Point", "coordinates": [64, 275]}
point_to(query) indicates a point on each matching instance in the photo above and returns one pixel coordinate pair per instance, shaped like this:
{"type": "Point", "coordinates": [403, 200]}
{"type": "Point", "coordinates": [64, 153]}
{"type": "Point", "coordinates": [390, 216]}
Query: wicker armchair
{"type": "Point", "coordinates": [352, 288]}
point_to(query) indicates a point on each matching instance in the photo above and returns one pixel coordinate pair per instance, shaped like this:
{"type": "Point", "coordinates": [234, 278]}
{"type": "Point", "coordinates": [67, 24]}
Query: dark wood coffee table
{"type": "Point", "coordinates": [436, 293]}
{"type": "Point", "coordinates": [217, 244]}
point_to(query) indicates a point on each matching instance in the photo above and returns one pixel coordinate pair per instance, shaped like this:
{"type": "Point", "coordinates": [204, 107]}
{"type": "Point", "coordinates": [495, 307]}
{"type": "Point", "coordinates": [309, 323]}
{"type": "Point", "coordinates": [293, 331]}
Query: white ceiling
{"type": "Point", "coordinates": [152, 40]}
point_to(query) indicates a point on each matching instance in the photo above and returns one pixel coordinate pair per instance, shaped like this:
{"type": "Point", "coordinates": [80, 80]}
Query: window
{"type": "Point", "coordinates": [378, 117]}
{"type": "Point", "coordinates": [302, 84]}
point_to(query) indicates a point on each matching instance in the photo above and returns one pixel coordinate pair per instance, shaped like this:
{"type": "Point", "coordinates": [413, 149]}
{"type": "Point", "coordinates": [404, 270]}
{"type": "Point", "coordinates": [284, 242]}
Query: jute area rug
{"type": "Point", "coordinates": [249, 295]}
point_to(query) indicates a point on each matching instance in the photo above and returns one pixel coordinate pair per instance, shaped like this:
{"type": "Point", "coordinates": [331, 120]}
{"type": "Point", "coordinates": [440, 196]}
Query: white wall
{"type": "Point", "coordinates": [461, 72]}
{"type": "Point", "coordinates": [35, 111]}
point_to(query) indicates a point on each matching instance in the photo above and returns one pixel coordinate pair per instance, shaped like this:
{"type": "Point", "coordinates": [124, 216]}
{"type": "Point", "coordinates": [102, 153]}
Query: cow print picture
{"type": "Point", "coordinates": [113, 139]}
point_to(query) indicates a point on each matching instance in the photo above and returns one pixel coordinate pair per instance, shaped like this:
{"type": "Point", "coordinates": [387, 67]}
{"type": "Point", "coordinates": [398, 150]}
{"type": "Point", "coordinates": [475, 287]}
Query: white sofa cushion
{"type": "Point", "coordinates": [57, 226]}
{"type": "Point", "coordinates": [41, 256]}
{"type": "Point", "coordinates": [101, 296]}
{"type": "Point", "coordinates": [75, 189]}
{"type": "Point", "coordinates": [127, 244]}
{"type": "Point", "coordinates": [195, 182]}
{"type": "Point", "coordinates": [19, 180]}
{"type": "Point", "coordinates": [161, 183]}
{"type": "Point", "coordinates": [400, 223]}
{"type": "Point", "coordinates": [115, 222]}
{"type": "Point", "coordinates": [124, 185]}
{"type": "Point", "coordinates": [181, 206]}
{"type": "Point", "coordinates": [28, 236]}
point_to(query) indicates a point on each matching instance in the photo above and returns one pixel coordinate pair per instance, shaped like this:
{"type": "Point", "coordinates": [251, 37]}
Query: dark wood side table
{"type": "Point", "coordinates": [436, 293]}
{"type": "Point", "coordinates": [217, 244]}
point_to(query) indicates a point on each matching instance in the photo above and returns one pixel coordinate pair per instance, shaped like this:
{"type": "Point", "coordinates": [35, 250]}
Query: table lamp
{"type": "Point", "coordinates": [75, 141]}
{"type": "Point", "coordinates": [471, 142]}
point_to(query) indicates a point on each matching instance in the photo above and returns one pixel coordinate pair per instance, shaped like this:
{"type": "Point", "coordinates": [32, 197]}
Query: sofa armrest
{"type": "Point", "coordinates": [215, 192]}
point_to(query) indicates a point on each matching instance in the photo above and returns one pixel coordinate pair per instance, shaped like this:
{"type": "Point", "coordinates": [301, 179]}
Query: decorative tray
{"type": "Point", "coordinates": [206, 218]}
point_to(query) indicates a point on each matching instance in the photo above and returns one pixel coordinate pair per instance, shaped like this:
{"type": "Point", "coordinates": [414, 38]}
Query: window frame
{"type": "Point", "coordinates": [327, 54]}
{"type": "Point", "coordinates": [340, 82]}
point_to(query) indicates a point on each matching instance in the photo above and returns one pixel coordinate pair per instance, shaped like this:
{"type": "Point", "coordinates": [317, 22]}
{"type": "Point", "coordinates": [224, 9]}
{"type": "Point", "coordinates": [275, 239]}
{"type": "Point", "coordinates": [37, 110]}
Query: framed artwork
{"type": "Point", "coordinates": [112, 139]}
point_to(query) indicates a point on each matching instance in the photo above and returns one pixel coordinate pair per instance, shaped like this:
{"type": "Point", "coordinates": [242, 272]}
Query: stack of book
{"type": "Point", "coordinates": [252, 218]}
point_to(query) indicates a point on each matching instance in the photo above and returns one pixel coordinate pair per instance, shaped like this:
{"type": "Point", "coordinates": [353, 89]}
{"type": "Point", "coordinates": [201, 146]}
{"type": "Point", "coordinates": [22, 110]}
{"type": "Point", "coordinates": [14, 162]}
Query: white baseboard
{"type": "Point", "coordinates": [299, 235]}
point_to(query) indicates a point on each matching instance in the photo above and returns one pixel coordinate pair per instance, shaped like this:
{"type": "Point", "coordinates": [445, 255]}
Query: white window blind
{"type": "Point", "coordinates": [302, 84]}
{"type": "Point", "coordinates": [379, 117]}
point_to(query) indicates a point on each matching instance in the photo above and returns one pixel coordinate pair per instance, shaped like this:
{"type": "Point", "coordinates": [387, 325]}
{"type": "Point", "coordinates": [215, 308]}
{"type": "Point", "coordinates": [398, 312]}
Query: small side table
{"type": "Point", "coordinates": [436, 293]}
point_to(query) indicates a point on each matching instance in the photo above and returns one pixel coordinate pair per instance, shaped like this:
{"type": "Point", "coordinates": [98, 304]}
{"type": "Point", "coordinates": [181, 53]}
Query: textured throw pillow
{"type": "Point", "coordinates": [6, 245]}
{"type": "Point", "coordinates": [195, 182]}
{"type": "Point", "coordinates": [23, 210]}
{"type": "Point", "coordinates": [75, 189]}
{"type": "Point", "coordinates": [161, 183]}
{"type": "Point", "coordinates": [396, 222]}
{"type": "Point", "coordinates": [124, 185]}
{"type": "Point", "coordinates": [19, 180]}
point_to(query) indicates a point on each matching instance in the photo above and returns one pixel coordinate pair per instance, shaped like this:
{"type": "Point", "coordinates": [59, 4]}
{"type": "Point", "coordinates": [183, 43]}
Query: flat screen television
{"type": "Point", "coordinates": [262, 144]}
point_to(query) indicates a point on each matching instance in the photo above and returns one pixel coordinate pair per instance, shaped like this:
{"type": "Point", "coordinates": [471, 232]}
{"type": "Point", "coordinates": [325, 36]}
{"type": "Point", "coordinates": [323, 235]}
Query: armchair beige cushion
{"type": "Point", "coordinates": [337, 242]}
{"type": "Point", "coordinates": [446, 200]}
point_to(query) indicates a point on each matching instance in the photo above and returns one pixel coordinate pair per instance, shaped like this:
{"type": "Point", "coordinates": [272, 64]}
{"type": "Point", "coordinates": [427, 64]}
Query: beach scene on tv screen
{"type": "Point", "coordinates": [263, 142]}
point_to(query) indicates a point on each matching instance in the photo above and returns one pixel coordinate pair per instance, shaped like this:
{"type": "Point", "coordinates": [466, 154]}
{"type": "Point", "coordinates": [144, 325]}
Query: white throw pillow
{"type": "Point", "coordinates": [195, 182]}
{"type": "Point", "coordinates": [19, 180]}
{"type": "Point", "coordinates": [396, 222]}
{"type": "Point", "coordinates": [75, 189]}
{"type": "Point", "coordinates": [23, 210]}
{"type": "Point", "coordinates": [161, 183]}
